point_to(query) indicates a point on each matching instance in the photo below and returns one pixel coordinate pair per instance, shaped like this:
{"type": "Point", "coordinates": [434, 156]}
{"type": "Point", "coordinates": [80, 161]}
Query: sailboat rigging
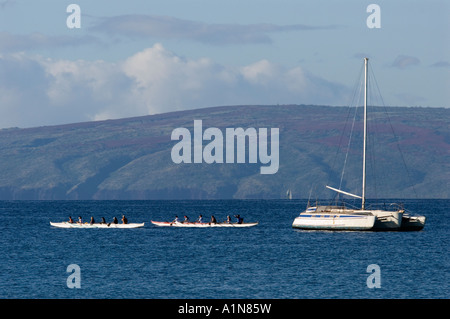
{"type": "Point", "coordinates": [342, 218]}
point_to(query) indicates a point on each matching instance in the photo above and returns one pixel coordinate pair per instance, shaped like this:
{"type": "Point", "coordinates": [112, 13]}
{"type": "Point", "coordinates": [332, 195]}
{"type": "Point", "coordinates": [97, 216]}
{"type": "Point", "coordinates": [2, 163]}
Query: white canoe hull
{"type": "Point", "coordinates": [202, 225]}
{"type": "Point", "coordinates": [87, 225]}
{"type": "Point", "coordinates": [334, 222]}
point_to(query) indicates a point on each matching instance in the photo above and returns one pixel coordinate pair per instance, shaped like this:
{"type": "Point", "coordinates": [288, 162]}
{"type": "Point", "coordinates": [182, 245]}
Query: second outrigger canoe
{"type": "Point", "coordinates": [95, 225]}
{"type": "Point", "coordinates": [202, 225]}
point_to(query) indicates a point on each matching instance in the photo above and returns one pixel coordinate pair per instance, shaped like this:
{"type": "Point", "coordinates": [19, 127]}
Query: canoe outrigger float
{"type": "Point", "coordinates": [95, 225]}
{"type": "Point", "coordinates": [202, 225]}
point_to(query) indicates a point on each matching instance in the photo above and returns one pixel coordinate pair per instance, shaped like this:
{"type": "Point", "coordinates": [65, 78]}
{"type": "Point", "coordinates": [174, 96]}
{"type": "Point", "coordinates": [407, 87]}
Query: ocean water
{"type": "Point", "coordinates": [271, 260]}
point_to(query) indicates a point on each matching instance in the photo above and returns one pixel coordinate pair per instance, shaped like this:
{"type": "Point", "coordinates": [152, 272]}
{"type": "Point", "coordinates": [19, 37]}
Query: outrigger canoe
{"type": "Point", "coordinates": [202, 225]}
{"type": "Point", "coordinates": [87, 225]}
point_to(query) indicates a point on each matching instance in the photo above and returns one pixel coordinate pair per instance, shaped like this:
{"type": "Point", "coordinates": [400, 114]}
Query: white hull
{"type": "Point", "coordinates": [334, 222]}
{"type": "Point", "coordinates": [412, 222]}
{"type": "Point", "coordinates": [339, 218]}
{"type": "Point", "coordinates": [202, 225]}
{"type": "Point", "coordinates": [387, 220]}
{"type": "Point", "coordinates": [87, 225]}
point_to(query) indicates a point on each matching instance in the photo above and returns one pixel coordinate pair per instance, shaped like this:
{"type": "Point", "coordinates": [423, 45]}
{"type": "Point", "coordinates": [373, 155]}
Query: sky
{"type": "Point", "coordinates": [135, 57]}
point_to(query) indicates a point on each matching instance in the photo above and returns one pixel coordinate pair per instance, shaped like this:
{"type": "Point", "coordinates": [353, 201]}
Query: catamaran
{"type": "Point", "coordinates": [342, 218]}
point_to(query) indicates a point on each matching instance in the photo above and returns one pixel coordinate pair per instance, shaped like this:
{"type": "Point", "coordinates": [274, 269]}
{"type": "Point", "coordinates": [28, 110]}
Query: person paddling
{"type": "Point", "coordinates": [176, 220]}
{"type": "Point", "coordinates": [199, 219]}
{"type": "Point", "coordinates": [70, 220]}
{"type": "Point", "coordinates": [124, 219]}
{"type": "Point", "coordinates": [213, 220]}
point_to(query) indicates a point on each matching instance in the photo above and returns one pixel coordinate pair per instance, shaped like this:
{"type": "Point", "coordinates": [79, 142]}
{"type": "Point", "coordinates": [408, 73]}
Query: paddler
{"type": "Point", "coordinates": [186, 219]}
{"type": "Point", "coordinates": [199, 219]}
{"type": "Point", "coordinates": [92, 220]}
{"type": "Point", "coordinates": [124, 219]}
{"type": "Point", "coordinates": [213, 220]}
{"type": "Point", "coordinates": [176, 220]}
{"type": "Point", "coordinates": [115, 221]}
{"type": "Point", "coordinates": [70, 220]}
{"type": "Point", "coordinates": [80, 220]}
{"type": "Point", "coordinates": [239, 219]}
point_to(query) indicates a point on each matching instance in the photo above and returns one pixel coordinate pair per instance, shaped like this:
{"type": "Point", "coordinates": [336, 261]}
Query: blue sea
{"type": "Point", "coordinates": [269, 261]}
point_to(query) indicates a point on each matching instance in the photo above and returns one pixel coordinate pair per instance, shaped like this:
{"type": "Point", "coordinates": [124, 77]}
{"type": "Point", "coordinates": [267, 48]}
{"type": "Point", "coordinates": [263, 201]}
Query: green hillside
{"type": "Point", "coordinates": [131, 158]}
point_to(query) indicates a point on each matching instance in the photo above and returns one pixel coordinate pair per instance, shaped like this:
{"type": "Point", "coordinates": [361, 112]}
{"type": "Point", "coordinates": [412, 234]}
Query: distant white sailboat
{"type": "Point", "coordinates": [342, 218]}
{"type": "Point", "coordinates": [289, 194]}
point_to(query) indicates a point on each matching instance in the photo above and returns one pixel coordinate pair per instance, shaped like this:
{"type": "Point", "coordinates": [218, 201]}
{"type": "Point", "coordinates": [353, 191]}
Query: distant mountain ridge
{"type": "Point", "coordinates": [131, 158]}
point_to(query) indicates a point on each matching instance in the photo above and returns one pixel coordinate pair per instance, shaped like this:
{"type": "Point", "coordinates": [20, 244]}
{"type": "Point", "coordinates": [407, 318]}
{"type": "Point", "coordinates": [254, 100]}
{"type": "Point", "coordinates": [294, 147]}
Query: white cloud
{"type": "Point", "coordinates": [262, 72]}
{"type": "Point", "coordinates": [38, 91]}
{"type": "Point", "coordinates": [23, 83]}
{"type": "Point", "coordinates": [166, 82]}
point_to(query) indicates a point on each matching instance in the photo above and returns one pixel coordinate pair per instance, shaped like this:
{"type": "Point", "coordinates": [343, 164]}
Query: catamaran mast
{"type": "Point", "coordinates": [363, 204]}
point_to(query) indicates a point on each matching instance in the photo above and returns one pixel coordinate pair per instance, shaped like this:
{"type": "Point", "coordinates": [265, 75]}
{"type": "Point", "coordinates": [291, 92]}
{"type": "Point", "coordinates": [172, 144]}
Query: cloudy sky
{"type": "Point", "coordinates": [136, 57]}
